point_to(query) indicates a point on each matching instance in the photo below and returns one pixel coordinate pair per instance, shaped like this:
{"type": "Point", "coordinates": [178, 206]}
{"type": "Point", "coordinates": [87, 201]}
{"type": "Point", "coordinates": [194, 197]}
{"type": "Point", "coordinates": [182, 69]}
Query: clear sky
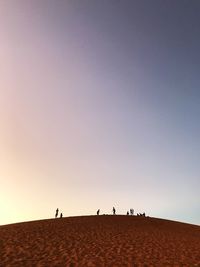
{"type": "Point", "coordinates": [99, 107]}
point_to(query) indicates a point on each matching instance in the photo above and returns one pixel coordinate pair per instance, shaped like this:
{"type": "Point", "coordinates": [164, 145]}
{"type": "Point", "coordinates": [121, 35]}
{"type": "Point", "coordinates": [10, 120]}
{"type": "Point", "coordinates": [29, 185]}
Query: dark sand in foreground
{"type": "Point", "coordinates": [104, 240]}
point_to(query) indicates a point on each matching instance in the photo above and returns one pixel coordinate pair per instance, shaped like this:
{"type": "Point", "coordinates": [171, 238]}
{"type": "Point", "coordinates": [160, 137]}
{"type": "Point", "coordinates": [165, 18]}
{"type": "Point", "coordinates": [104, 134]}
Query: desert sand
{"type": "Point", "coordinates": [104, 240]}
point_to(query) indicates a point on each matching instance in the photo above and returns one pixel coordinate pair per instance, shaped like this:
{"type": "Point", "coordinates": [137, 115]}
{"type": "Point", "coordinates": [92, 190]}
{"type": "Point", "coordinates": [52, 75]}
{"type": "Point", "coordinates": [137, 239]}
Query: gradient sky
{"type": "Point", "coordinates": [99, 107]}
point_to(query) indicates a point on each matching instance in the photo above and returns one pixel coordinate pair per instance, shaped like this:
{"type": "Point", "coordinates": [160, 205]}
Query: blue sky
{"type": "Point", "coordinates": [99, 108]}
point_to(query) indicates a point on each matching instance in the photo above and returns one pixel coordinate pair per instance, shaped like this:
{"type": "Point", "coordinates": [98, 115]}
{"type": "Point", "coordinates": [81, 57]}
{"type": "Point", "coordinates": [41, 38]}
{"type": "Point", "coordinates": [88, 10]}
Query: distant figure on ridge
{"type": "Point", "coordinates": [114, 210]}
{"type": "Point", "coordinates": [131, 211]}
{"type": "Point", "coordinates": [98, 211]}
{"type": "Point", "coordinates": [127, 213]}
{"type": "Point", "coordinates": [61, 215]}
{"type": "Point", "coordinates": [56, 215]}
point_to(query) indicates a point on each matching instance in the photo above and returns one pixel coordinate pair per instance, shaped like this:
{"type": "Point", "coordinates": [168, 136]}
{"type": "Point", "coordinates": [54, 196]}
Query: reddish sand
{"type": "Point", "coordinates": [100, 241]}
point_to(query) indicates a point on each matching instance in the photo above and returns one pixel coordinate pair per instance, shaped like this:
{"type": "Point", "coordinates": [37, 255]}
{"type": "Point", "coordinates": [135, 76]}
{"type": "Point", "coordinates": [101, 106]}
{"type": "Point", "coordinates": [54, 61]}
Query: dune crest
{"type": "Point", "coordinates": [100, 241]}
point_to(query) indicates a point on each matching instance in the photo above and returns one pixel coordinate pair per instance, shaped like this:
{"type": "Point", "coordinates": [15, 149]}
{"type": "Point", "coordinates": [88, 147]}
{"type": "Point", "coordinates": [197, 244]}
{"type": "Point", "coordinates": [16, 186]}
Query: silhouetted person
{"type": "Point", "coordinates": [131, 211]}
{"type": "Point", "coordinates": [114, 210]}
{"type": "Point", "coordinates": [98, 211]}
{"type": "Point", "coordinates": [56, 215]}
{"type": "Point", "coordinates": [61, 215]}
{"type": "Point", "coordinates": [144, 214]}
{"type": "Point", "coordinates": [127, 213]}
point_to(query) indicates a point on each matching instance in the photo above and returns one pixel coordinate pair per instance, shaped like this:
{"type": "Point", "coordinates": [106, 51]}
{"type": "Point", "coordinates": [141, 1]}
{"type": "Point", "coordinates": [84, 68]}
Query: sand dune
{"type": "Point", "coordinates": [100, 241]}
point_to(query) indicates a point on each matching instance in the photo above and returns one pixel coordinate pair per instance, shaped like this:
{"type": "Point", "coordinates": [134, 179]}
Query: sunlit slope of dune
{"type": "Point", "coordinates": [103, 240]}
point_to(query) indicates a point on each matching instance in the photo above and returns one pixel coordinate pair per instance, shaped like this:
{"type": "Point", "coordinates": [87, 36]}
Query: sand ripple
{"type": "Point", "coordinates": [100, 241]}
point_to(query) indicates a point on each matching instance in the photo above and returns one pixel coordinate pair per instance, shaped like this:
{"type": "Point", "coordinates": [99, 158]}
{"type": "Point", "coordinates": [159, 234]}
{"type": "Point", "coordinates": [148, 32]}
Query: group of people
{"type": "Point", "coordinates": [56, 215]}
{"type": "Point", "coordinates": [131, 212]}
{"type": "Point", "coordinates": [114, 211]}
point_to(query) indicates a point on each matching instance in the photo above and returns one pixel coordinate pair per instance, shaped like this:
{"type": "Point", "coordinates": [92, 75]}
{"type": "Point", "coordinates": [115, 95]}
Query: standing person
{"type": "Point", "coordinates": [98, 211]}
{"type": "Point", "coordinates": [61, 215]}
{"type": "Point", "coordinates": [114, 210]}
{"type": "Point", "coordinates": [56, 215]}
{"type": "Point", "coordinates": [127, 213]}
{"type": "Point", "coordinates": [131, 211]}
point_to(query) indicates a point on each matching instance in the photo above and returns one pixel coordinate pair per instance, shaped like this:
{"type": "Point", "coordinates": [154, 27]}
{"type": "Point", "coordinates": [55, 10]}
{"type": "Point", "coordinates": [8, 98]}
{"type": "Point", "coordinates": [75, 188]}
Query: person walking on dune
{"type": "Point", "coordinates": [98, 211]}
{"type": "Point", "coordinates": [114, 210]}
{"type": "Point", "coordinates": [61, 215]}
{"type": "Point", "coordinates": [56, 215]}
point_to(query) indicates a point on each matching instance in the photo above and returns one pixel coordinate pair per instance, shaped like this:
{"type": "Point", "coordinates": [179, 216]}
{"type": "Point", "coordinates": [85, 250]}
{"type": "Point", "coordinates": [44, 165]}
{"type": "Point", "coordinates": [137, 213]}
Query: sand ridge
{"type": "Point", "coordinates": [104, 240]}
